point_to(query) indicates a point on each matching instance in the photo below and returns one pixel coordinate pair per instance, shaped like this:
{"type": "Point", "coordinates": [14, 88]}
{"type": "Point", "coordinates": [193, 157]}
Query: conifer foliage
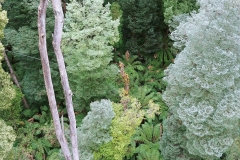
{"type": "Point", "coordinates": [8, 93]}
{"type": "Point", "coordinates": [142, 24]}
{"type": "Point", "coordinates": [203, 84]}
{"type": "Point", "coordinates": [89, 33]}
{"type": "Point", "coordinates": [7, 90]}
{"type": "Point", "coordinates": [94, 130]}
{"type": "Point", "coordinates": [7, 138]}
{"type": "Point", "coordinates": [21, 37]}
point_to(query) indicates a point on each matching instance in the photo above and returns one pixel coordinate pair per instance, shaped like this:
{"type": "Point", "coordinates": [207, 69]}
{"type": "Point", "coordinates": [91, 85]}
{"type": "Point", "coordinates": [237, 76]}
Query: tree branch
{"type": "Point", "coordinates": [57, 37]}
{"type": "Point", "coordinates": [14, 78]}
{"type": "Point", "coordinates": [47, 78]}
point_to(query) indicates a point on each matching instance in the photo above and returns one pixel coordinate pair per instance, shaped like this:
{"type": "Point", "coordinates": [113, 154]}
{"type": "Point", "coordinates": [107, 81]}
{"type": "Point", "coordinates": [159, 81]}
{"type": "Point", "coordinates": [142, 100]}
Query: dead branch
{"type": "Point", "coordinates": [14, 78]}
{"type": "Point", "coordinates": [57, 37]}
{"type": "Point", "coordinates": [48, 80]}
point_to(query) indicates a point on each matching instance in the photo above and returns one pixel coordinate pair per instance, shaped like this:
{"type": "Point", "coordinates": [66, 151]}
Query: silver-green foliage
{"type": "Point", "coordinates": [7, 137]}
{"type": "Point", "coordinates": [203, 83]}
{"type": "Point", "coordinates": [8, 95]}
{"type": "Point", "coordinates": [175, 11]}
{"type": "Point", "coordinates": [89, 33]}
{"type": "Point", "coordinates": [175, 7]}
{"type": "Point", "coordinates": [94, 130]}
{"type": "Point", "coordinates": [7, 90]}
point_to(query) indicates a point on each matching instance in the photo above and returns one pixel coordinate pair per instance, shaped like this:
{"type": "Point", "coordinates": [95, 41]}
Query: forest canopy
{"type": "Point", "coordinates": [148, 79]}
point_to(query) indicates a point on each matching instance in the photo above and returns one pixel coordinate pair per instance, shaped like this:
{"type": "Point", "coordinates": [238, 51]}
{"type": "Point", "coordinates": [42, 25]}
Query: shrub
{"type": "Point", "coordinates": [94, 130]}
{"type": "Point", "coordinates": [7, 138]}
{"type": "Point", "coordinates": [203, 84]}
{"type": "Point", "coordinates": [129, 114]}
{"type": "Point", "coordinates": [89, 33]}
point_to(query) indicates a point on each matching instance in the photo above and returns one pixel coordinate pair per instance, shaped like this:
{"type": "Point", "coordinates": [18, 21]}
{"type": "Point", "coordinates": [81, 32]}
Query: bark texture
{"type": "Point", "coordinates": [48, 80]}
{"type": "Point", "coordinates": [57, 37]}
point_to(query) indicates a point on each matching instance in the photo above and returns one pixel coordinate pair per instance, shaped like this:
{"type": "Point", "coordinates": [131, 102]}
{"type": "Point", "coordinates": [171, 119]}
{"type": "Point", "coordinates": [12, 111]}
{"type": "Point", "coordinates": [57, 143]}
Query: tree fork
{"type": "Point", "coordinates": [48, 80]}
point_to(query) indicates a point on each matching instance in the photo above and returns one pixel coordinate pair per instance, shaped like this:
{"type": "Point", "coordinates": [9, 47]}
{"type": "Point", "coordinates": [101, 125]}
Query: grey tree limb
{"type": "Point", "coordinates": [57, 37]}
{"type": "Point", "coordinates": [48, 80]}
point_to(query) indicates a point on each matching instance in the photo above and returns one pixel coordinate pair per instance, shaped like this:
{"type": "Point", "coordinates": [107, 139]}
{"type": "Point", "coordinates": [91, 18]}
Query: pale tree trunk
{"type": "Point", "coordinates": [14, 78]}
{"type": "Point", "coordinates": [57, 36]}
{"type": "Point", "coordinates": [48, 80]}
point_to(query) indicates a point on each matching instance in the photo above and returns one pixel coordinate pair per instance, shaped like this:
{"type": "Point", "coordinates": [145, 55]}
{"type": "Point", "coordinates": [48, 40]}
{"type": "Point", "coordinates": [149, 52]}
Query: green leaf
{"type": "Point", "coordinates": [44, 114]}
{"type": "Point", "coordinates": [139, 67]}
{"type": "Point", "coordinates": [148, 152]}
{"type": "Point", "coordinates": [38, 132]}
{"type": "Point", "coordinates": [45, 142]}
{"type": "Point", "coordinates": [28, 113]}
{"type": "Point", "coordinates": [156, 133]}
{"type": "Point", "coordinates": [142, 148]}
{"type": "Point", "coordinates": [142, 138]}
{"type": "Point", "coordinates": [42, 119]}
{"type": "Point", "coordinates": [148, 130]}
{"type": "Point", "coordinates": [37, 117]}
{"type": "Point", "coordinates": [34, 145]}
{"type": "Point", "coordinates": [39, 156]}
{"type": "Point", "coordinates": [44, 108]}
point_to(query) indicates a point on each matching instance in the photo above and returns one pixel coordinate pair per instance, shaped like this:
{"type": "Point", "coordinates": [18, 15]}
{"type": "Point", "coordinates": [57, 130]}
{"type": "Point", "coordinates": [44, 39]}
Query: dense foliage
{"type": "Point", "coordinates": [128, 116]}
{"type": "Point", "coordinates": [89, 32]}
{"type": "Point", "coordinates": [174, 7]}
{"type": "Point", "coordinates": [7, 138]}
{"type": "Point", "coordinates": [203, 84]}
{"type": "Point", "coordinates": [21, 39]}
{"type": "Point", "coordinates": [7, 90]}
{"type": "Point", "coordinates": [116, 52]}
{"type": "Point", "coordinates": [35, 141]}
{"type": "Point", "coordinates": [148, 138]}
{"type": "Point", "coordinates": [94, 130]}
{"type": "Point", "coordinates": [142, 24]}
{"type": "Point", "coordinates": [8, 99]}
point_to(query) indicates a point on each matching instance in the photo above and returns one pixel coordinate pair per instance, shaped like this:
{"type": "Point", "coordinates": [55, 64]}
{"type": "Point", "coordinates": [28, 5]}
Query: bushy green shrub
{"type": "Point", "coordinates": [7, 138]}
{"type": "Point", "coordinates": [128, 117]}
{"type": "Point", "coordinates": [89, 33]}
{"type": "Point", "coordinates": [9, 99]}
{"type": "Point", "coordinates": [12, 114]}
{"type": "Point", "coordinates": [175, 7]}
{"type": "Point", "coordinates": [203, 84]}
{"type": "Point", "coordinates": [116, 13]}
{"type": "Point", "coordinates": [142, 24]}
{"type": "Point", "coordinates": [94, 130]}
{"type": "Point", "coordinates": [21, 41]}
{"type": "Point", "coordinates": [7, 90]}
{"type": "Point", "coordinates": [34, 141]}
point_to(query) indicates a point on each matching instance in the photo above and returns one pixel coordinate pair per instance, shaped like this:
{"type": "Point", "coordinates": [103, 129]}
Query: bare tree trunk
{"type": "Point", "coordinates": [47, 78]}
{"type": "Point", "coordinates": [57, 37]}
{"type": "Point", "coordinates": [14, 78]}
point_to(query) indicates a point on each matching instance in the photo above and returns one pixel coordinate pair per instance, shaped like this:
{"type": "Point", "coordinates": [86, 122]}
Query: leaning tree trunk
{"type": "Point", "coordinates": [48, 80]}
{"type": "Point", "coordinates": [57, 36]}
{"type": "Point", "coordinates": [14, 78]}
